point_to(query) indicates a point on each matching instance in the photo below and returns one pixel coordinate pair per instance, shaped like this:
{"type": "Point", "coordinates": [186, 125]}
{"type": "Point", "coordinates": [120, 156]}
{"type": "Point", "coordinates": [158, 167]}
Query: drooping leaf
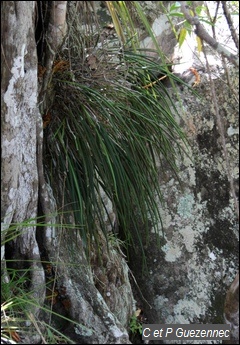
{"type": "Point", "coordinates": [109, 133]}
{"type": "Point", "coordinates": [182, 36]}
{"type": "Point", "coordinates": [199, 44]}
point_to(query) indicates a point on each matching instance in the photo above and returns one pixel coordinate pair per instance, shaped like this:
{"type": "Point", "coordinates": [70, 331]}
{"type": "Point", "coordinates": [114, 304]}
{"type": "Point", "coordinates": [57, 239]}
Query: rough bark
{"type": "Point", "coordinates": [55, 33]}
{"type": "Point", "coordinates": [95, 322]}
{"type": "Point", "coordinates": [231, 311]}
{"type": "Point", "coordinates": [230, 24]}
{"type": "Point", "coordinates": [19, 138]}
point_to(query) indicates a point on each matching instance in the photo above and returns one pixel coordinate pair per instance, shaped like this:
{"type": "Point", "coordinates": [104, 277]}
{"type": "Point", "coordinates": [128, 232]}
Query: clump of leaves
{"type": "Point", "coordinates": [113, 124]}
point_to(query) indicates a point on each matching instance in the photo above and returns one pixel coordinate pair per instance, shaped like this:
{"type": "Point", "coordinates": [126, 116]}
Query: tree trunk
{"type": "Point", "coordinates": [26, 195]}
{"type": "Point", "coordinates": [19, 137]}
{"type": "Point", "coordinates": [231, 311]}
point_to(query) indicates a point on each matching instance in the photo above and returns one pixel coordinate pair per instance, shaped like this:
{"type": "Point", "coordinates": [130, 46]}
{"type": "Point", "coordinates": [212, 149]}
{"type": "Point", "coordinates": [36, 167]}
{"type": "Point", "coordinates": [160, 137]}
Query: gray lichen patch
{"type": "Point", "coordinates": [185, 206]}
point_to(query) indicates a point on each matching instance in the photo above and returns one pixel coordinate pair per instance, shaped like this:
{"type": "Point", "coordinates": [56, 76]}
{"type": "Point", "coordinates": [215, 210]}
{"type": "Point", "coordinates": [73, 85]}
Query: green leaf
{"type": "Point", "coordinates": [182, 36]}
{"type": "Point", "coordinates": [199, 44]}
{"type": "Point", "coordinates": [199, 9]}
{"type": "Point", "coordinates": [174, 6]}
{"type": "Point", "coordinates": [176, 14]}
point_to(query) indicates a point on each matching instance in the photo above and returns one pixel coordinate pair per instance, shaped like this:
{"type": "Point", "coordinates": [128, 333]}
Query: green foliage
{"type": "Point", "coordinates": [18, 322]}
{"type": "Point", "coordinates": [186, 28]}
{"type": "Point", "coordinates": [182, 36]}
{"type": "Point", "coordinates": [111, 130]}
{"type": "Point", "coordinates": [135, 325]}
{"type": "Point", "coordinates": [234, 7]}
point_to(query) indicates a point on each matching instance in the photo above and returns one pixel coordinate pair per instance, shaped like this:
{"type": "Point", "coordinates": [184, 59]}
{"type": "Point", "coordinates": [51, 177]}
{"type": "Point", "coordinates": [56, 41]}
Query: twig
{"type": "Point", "coordinates": [230, 24]}
{"type": "Point", "coordinates": [139, 288]}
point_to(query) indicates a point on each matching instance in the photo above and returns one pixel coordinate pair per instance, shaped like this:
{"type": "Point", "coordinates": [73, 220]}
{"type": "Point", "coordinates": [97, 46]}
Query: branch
{"type": "Point", "coordinates": [56, 32]}
{"type": "Point", "coordinates": [201, 32]}
{"type": "Point", "coordinates": [230, 24]}
{"type": "Point", "coordinates": [57, 24]}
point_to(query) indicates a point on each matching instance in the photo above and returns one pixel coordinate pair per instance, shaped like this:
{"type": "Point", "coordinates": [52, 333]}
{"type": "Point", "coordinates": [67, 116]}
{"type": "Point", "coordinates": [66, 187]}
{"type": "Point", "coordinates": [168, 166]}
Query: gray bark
{"type": "Point", "coordinates": [20, 113]}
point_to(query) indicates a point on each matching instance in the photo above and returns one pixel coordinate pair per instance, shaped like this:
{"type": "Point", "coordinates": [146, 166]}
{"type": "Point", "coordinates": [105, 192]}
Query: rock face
{"type": "Point", "coordinates": [190, 272]}
{"type": "Point", "coordinates": [198, 256]}
{"type": "Point", "coordinates": [197, 260]}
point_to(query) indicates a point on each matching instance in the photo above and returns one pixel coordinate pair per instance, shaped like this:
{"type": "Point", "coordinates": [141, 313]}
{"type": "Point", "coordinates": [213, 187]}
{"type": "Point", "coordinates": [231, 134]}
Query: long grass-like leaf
{"type": "Point", "coordinates": [111, 129]}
